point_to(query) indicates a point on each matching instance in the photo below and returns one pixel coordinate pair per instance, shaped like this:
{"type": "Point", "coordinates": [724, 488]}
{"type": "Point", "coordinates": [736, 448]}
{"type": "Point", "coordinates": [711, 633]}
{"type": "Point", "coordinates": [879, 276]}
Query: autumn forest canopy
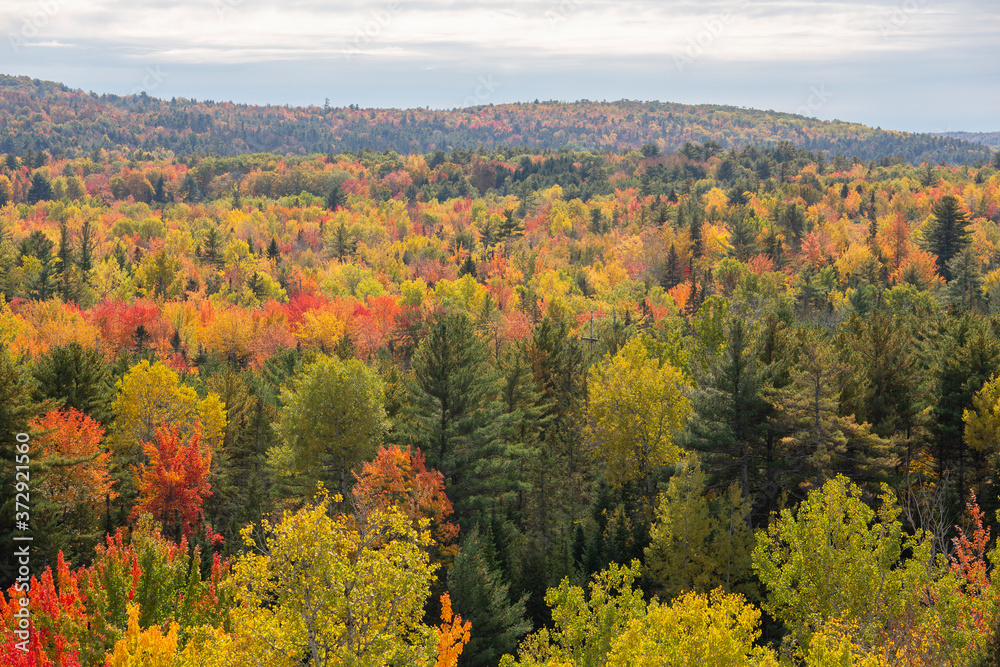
{"type": "Point", "coordinates": [553, 383]}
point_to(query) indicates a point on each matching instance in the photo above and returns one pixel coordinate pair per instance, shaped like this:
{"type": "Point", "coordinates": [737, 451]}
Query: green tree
{"type": "Point", "coordinates": [836, 559]}
{"type": "Point", "coordinates": [16, 410]}
{"type": "Point", "coordinates": [76, 377]}
{"type": "Point", "coordinates": [335, 197]}
{"type": "Point", "coordinates": [946, 234]}
{"type": "Point", "coordinates": [965, 285]}
{"type": "Point", "coordinates": [332, 419]}
{"type": "Point", "coordinates": [40, 190]}
{"type": "Point", "coordinates": [730, 419]}
{"type": "Point", "coordinates": [455, 414]}
{"type": "Point", "coordinates": [480, 595]}
{"type": "Point", "coordinates": [819, 441]}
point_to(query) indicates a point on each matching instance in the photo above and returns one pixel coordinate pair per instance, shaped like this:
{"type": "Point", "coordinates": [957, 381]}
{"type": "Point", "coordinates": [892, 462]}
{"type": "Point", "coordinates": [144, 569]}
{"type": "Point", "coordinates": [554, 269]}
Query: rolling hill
{"type": "Point", "coordinates": [42, 115]}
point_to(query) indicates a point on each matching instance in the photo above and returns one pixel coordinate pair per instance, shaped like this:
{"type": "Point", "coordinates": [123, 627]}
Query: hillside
{"type": "Point", "coordinates": [984, 138]}
{"type": "Point", "coordinates": [40, 115]}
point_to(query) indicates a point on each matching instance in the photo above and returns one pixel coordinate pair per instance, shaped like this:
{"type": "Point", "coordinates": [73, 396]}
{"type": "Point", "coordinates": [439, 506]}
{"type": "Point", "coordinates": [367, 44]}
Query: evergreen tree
{"type": "Point", "coordinates": [40, 190]}
{"type": "Point", "coordinates": [66, 263]}
{"type": "Point", "coordinates": [273, 252]}
{"type": "Point", "coordinates": [343, 244]}
{"type": "Point", "coordinates": [212, 248]}
{"type": "Point", "coordinates": [947, 234]}
{"type": "Point", "coordinates": [16, 410]}
{"type": "Point", "coordinates": [78, 378]}
{"type": "Point", "coordinates": [965, 285]}
{"type": "Point", "coordinates": [85, 262]}
{"type": "Point", "coordinates": [160, 191]}
{"type": "Point", "coordinates": [730, 419]}
{"type": "Point", "coordinates": [189, 190]}
{"type": "Point", "coordinates": [695, 231]}
{"type": "Point", "coordinates": [673, 274]}
{"type": "Point", "coordinates": [480, 595]}
{"type": "Point", "coordinates": [455, 415]}
{"type": "Point", "coordinates": [335, 198]}
{"type": "Point", "coordinates": [39, 247]}
{"type": "Point", "coordinates": [742, 235]}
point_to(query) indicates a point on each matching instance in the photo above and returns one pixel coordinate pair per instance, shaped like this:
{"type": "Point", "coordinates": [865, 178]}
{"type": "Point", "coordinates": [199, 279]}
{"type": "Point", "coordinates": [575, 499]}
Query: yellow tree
{"type": "Point", "coordinates": [151, 396]}
{"type": "Point", "coordinates": [696, 630]}
{"type": "Point", "coordinates": [635, 408]}
{"type": "Point", "coordinates": [982, 423]}
{"type": "Point", "coordinates": [346, 589]}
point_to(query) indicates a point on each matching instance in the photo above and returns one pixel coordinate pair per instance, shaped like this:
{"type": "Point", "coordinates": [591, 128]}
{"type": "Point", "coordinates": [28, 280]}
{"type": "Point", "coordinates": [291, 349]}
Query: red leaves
{"type": "Point", "coordinates": [173, 485]}
{"type": "Point", "coordinates": [72, 436]}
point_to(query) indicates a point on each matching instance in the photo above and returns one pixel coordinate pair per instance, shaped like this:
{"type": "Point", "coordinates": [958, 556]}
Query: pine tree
{"type": "Point", "coordinates": [76, 377]}
{"type": "Point", "coordinates": [85, 262]}
{"type": "Point", "coordinates": [742, 236]}
{"type": "Point", "coordinates": [16, 410]}
{"type": "Point", "coordinates": [455, 415]}
{"type": "Point", "coordinates": [947, 234]}
{"type": "Point", "coordinates": [730, 419]}
{"type": "Point", "coordinates": [66, 263]}
{"type": "Point", "coordinates": [273, 252]}
{"type": "Point", "coordinates": [480, 595]}
{"type": "Point", "coordinates": [335, 198]}
{"type": "Point", "coordinates": [673, 274]}
{"type": "Point", "coordinates": [40, 190]}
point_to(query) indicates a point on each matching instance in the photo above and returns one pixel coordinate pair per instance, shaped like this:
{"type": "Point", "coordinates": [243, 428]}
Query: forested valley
{"type": "Point", "coordinates": [718, 405]}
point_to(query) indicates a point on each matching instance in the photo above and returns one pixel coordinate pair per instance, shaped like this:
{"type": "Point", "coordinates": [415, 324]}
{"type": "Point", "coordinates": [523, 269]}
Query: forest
{"type": "Point", "coordinates": [496, 405]}
{"type": "Point", "coordinates": [46, 116]}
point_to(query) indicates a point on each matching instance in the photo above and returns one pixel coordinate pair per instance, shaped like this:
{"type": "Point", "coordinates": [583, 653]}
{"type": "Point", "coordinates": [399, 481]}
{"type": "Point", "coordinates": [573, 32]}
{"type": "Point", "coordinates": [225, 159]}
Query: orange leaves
{"type": "Point", "coordinates": [71, 441]}
{"type": "Point", "coordinates": [174, 483]}
{"type": "Point", "coordinates": [969, 558]}
{"type": "Point", "coordinates": [452, 635]}
{"type": "Point", "coordinates": [401, 478]}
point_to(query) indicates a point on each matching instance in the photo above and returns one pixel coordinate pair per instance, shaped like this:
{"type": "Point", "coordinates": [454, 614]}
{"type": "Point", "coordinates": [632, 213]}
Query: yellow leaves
{"type": "Point", "coordinates": [144, 648]}
{"type": "Point", "coordinates": [151, 395]}
{"type": "Point", "coordinates": [854, 259]}
{"type": "Point", "coordinates": [716, 201]}
{"type": "Point", "coordinates": [340, 590]}
{"type": "Point", "coordinates": [982, 423]}
{"type": "Point", "coordinates": [696, 630]}
{"type": "Point", "coordinates": [636, 407]}
{"type": "Point", "coordinates": [321, 329]}
{"type": "Point", "coordinates": [464, 294]}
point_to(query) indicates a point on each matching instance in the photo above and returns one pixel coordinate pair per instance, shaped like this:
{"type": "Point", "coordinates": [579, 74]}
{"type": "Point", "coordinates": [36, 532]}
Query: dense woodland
{"type": "Point", "coordinates": [44, 116]}
{"type": "Point", "coordinates": [498, 405]}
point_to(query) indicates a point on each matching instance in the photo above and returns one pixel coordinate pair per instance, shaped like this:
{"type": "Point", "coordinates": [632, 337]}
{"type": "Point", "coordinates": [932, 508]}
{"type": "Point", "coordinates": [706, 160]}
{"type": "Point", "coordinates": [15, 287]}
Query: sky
{"type": "Point", "coordinates": [914, 65]}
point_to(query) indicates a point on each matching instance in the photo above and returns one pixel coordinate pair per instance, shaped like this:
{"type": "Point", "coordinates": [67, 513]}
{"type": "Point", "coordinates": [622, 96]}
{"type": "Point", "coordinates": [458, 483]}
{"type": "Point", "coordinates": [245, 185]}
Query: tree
{"type": "Point", "coordinates": [72, 469]}
{"type": "Point", "coordinates": [400, 479]}
{"type": "Point", "coordinates": [174, 483]}
{"type": "Point", "coordinates": [586, 623]}
{"type": "Point", "coordinates": [635, 407]}
{"type": "Point", "coordinates": [454, 412]}
{"type": "Point", "coordinates": [696, 630]}
{"type": "Point", "coordinates": [730, 410]}
{"type": "Point", "coordinates": [346, 589]}
{"type": "Point", "coordinates": [77, 378]}
{"type": "Point", "coordinates": [835, 559]}
{"type": "Point", "coordinates": [151, 396]}
{"type": "Point", "coordinates": [479, 593]}
{"type": "Point", "coordinates": [819, 441]}
{"type": "Point", "coordinates": [946, 233]}
{"type": "Point", "coordinates": [335, 197]}
{"type": "Point", "coordinates": [40, 190]}
{"type": "Point", "coordinates": [332, 418]}
{"type": "Point", "coordinates": [696, 545]}
{"type": "Point", "coordinates": [16, 410]}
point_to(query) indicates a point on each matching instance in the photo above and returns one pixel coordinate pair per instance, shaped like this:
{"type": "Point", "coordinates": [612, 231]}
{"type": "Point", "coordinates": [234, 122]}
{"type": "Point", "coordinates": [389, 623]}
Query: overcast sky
{"type": "Point", "coordinates": [918, 65]}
